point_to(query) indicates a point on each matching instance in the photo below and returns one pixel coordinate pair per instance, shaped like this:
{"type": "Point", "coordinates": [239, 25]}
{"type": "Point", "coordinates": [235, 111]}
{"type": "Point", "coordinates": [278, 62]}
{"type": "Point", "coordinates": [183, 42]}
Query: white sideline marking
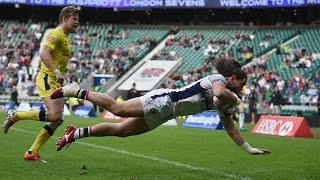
{"type": "Point", "coordinates": [178, 164]}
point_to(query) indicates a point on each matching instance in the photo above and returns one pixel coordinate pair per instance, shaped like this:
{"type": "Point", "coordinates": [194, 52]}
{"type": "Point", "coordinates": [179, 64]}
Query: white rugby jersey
{"type": "Point", "coordinates": [194, 98]}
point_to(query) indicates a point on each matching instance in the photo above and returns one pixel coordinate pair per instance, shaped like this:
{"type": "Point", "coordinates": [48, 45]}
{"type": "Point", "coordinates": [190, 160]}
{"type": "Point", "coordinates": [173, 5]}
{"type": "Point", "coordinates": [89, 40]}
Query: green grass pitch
{"type": "Point", "coordinates": [165, 153]}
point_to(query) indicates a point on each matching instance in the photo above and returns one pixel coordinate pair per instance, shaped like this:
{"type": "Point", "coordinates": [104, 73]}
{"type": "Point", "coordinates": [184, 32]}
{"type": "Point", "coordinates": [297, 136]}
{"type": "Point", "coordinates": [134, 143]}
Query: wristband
{"type": "Point", "coordinates": [57, 71]}
{"type": "Point", "coordinates": [246, 147]}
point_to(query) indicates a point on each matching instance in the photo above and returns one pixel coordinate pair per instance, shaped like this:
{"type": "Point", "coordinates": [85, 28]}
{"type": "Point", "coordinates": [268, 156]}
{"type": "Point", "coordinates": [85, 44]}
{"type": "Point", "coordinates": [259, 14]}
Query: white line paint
{"type": "Point", "coordinates": [178, 164]}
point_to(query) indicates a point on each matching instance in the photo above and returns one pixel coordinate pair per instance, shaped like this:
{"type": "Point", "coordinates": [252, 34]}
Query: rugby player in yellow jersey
{"type": "Point", "coordinates": [55, 55]}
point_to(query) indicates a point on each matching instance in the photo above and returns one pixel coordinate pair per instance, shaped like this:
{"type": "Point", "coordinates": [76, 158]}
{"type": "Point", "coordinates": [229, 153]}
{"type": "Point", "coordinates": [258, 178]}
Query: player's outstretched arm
{"type": "Point", "coordinates": [237, 137]}
{"type": "Point", "coordinates": [224, 94]}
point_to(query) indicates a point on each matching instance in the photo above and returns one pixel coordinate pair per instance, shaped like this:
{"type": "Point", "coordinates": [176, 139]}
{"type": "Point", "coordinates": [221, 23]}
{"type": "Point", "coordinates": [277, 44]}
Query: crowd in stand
{"type": "Point", "coordinates": [298, 57]}
{"type": "Point", "coordinates": [264, 81]}
{"type": "Point", "coordinates": [186, 42]}
{"type": "Point", "coordinates": [19, 43]}
{"type": "Point", "coordinates": [104, 60]}
{"type": "Point", "coordinates": [271, 89]}
{"type": "Point", "coordinates": [213, 48]}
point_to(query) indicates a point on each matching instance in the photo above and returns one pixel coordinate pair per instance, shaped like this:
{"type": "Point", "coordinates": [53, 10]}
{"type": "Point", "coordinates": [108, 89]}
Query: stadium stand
{"type": "Point", "coordinates": [110, 49]}
{"type": "Point", "coordinates": [264, 64]}
{"type": "Point", "coordinates": [300, 50]}
{"type": "Point", "coordinates": [103, 48]}
{"type": "Point", "coordinates": [99, 48]}
{"type": "Point", "coordinates": [19, 42]}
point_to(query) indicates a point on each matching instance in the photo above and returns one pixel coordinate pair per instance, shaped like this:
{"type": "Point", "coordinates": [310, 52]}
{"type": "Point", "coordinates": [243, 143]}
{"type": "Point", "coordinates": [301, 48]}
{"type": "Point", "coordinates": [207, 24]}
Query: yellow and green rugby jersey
{"type": "Point", "coordinates": [59, 42]}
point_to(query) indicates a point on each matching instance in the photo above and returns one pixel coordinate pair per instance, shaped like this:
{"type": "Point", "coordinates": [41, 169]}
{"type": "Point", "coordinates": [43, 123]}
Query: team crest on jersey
{"type": "Point", "coordinates": [51, 38]}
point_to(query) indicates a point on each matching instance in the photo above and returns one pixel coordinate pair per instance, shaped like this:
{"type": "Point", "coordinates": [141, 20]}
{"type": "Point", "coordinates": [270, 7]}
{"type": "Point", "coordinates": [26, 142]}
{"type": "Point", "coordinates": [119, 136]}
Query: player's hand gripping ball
{"type": "Point", "coordinates": [225, 106]}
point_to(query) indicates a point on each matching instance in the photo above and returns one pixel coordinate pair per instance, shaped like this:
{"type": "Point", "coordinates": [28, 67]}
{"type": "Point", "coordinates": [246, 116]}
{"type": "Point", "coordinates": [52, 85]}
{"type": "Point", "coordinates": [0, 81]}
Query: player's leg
{"type": "Point", "coordinates": [277, 110]}
{"type": "Point", "coordinates": [12, 117]}
{"type": "Point", "coordinates": [54, 114]}
{"type": "Point", "coordinates": [37, 115]}
{"type": "Point", "coordinates": [253, 116]}
{"type": "Point", "coordinates": [130, 108]}
{"type": "Point", "coordinates": [253, 110]}
{"type": "Point", "coordinates": [130, 127]}
{"type": "Point", "coordinates": [241, 117]}
{"type": "Point", "coordinates": [45, 85]}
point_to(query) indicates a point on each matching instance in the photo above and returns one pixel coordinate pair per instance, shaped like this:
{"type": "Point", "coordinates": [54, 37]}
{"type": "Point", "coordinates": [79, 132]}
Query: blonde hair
{"type": "Point", "coordinates": [68, 11]}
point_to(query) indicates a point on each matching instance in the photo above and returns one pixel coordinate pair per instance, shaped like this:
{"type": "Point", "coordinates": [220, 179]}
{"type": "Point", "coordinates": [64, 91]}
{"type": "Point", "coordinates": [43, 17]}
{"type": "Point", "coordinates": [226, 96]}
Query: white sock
{"type": "Point", "coordinates": [81, 132]}
{"type": "Point", "coordinates": [241, 120]}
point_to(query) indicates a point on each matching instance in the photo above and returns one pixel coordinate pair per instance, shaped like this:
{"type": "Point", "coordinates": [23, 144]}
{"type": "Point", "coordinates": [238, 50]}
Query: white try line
{"type": "Point", "coordinates": [178, 164]}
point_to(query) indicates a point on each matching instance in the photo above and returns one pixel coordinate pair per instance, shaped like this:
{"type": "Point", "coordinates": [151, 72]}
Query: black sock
{"type": "Point", "coordinates": [42, 115]}
{"type": "Point", "coordinates": [85, 132]}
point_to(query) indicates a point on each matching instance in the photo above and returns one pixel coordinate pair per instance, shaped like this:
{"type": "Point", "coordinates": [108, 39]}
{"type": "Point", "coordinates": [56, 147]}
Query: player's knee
{"type": "Point", "coordinates": [123, 131]}
{"type": "Point", "coordinates": [55, 117]}
{"type": "Point", "coordinates": [116, 110]}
